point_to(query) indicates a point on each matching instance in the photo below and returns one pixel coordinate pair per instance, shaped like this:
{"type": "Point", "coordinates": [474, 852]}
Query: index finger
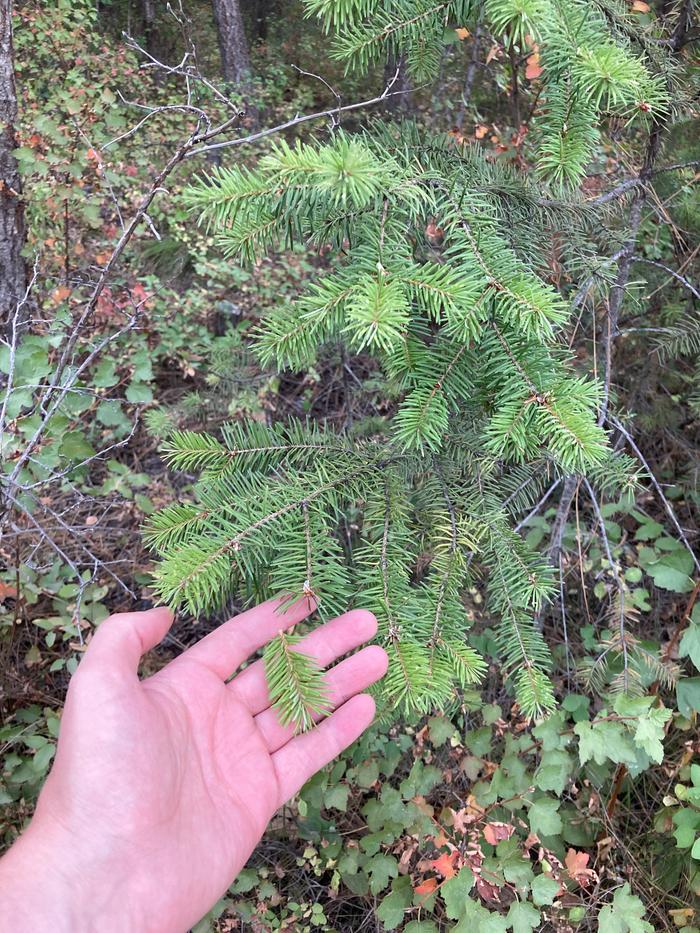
{"type": "Point", "coordinates": [224, 649]}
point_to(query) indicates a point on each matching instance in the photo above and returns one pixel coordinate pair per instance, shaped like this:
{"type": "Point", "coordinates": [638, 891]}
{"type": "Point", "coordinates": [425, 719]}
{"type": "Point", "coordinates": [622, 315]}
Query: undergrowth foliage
{"type": "Point", "coordinates": [444, 276]}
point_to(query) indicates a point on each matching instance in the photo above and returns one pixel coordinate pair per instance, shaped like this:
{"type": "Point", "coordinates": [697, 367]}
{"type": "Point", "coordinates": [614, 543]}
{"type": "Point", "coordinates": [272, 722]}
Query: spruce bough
{"type": "Point", "coordinates": [444, 276]}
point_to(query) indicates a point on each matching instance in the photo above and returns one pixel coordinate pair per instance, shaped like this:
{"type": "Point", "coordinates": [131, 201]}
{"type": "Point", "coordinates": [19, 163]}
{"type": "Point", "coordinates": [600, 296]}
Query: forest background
{"type": "Point", "coordinates": [543, 770]}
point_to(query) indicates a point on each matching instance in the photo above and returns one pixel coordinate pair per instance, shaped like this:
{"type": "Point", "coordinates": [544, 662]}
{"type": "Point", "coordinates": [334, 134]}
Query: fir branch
{"type": "Point", "coordinates": [295, 683]}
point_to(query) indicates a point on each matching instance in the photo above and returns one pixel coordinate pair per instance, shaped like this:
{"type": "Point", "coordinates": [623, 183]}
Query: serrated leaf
{"type": "Point", "coordinates": [381, 868]}
{"type": "Point", "coordinates": [650, 732]}
{"type": "Point", "coordinates": [393, 907]}
{"type": "Point", "coordinates": [690, 644]}
{"type": "Point", "coordinates": [544, 817]}
{"type": "Point", "coordinates": [688, 696]}
{"type": "Point", "coordinates": [455, 893]}
{"type": "Point", "coordinates": [544, 890]}
{"type": "Point", "coordinates": [624, 915]}
{"type": "Point", "coordinates": [554, 771]}
{"type": "Point", "coordinates": [523, 917]}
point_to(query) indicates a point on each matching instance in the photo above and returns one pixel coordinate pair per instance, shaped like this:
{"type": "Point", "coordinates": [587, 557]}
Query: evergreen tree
{"type": "Point", "coordinates": [444, 276]}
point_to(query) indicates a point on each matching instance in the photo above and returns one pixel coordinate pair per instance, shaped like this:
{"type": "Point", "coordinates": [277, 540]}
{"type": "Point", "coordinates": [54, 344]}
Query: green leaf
{"type": "Point", "coordinates": [624, 915]}
{"type": "Point", "coordinates": [690, 644]}
{"type": "Point", "coordinates": [139, 392]}
{"type": "Point", "coordinates": [687, 823]}
{"type": "Point", "coordinates": [554, 771]}
{"type": "Point", "coordinates": [381, 869]}
{"type": "Point", "coordinates": [455, 893]}
{"type": "Point", "coordinates": [648, 531]}
{"type": "Point", "coordinates": [650, 732]}
{"type": "Point", "coordinates": [478, 918]}
{"type": "Point", "coordinates": [75, 446]}
{"type": "Point", "coordinates": [441, 729]}
{"type": "Point", "coordinates": [604, 741]}
{"type": "Point", "coordinates": [367, 773]}
{"type": "Point", "coordinates": [544, 890]}
{"type": "Point", "coordinates": [421, 926]}
{"type": "Point", "coordinates": [336, 797]}
{"type": "Point", "coordinates": [105, 375]}
{"type": "Point", "coordinates": [392, 908]}
{"type": "Point", "coordinates": [688, 696]}
{"type": "Point", "coordinates": [523, 917]}
{"type": "Point", "coordinates": [544, 817]}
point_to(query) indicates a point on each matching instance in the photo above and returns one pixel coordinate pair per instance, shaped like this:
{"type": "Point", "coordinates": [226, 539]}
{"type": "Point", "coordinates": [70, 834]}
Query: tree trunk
{"type": "Point", "coordinates": [261, 12]}
{"type": "Point", "coordinates": [148, 16]}
{"type": "Point", "coordinates": [13, 273]}
{"type": "Point", "coordinates": [235, 56]}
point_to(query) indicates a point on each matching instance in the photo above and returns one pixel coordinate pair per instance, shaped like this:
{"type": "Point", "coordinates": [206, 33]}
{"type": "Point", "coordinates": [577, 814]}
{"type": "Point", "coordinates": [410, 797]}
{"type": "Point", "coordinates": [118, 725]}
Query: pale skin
{"type": "Point", "coordinates": [162, 787]}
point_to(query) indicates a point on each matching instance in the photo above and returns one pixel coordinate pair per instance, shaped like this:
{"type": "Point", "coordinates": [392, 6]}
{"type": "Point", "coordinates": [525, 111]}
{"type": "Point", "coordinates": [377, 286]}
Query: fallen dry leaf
{"type": "Point", "coordinates": [576, 866]}
{"type": "Point", "coordinates": [426, 887]}
{"type": "Point", "coordinates": [445, 864]}
{"type": "Point", "coordinates": [495, 832]}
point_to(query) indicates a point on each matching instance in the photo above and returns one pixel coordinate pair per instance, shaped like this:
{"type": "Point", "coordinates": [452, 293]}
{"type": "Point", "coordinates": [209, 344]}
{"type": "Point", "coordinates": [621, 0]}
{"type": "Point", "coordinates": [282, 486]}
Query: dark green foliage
{"type": "Point", "coordinates": [443, 276]}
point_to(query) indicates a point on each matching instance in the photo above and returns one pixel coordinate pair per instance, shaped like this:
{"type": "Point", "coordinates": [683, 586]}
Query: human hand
{"type": "Point", "coordinates": [162, 787]}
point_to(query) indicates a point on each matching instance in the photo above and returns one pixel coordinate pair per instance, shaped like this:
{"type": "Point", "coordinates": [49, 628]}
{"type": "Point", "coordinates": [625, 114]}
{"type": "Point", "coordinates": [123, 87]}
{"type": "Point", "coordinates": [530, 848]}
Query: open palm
{"type": "Point", "coordinates": [168, 783]}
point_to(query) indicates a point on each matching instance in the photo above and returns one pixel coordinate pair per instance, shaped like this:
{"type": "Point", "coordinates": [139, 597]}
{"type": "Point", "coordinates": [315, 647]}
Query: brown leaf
{"type": "Point", "coordinates": [434, 233]}
{"type": "Point", "coordinates": [493, 52]}
{"type": "Point", "coordinates": [488, 891]}
{"type": "Point", "coordinates": [639, 6]}
{"type": "Point", "coordinates": [495, 832]}
{"type": "Point", "coordinates": [462, 33]}
{"type": "Point", "coordinates": [480, 130]}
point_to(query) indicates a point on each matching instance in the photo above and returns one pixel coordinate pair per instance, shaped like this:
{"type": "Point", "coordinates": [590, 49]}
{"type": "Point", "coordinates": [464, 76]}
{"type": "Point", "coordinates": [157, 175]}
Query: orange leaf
{"type": "Point", "coordinates": [534, 69]}
{"type": "Point", "coordinates": [495, 832]}
{"type": "Point", "coordinates": [60, 294]}
{"type": "Point", "coordinates": [576, 863]}
{"type": "Point", "coordinates": [7, 590]}
{"type": "Point", "coordinates": [462, 33]}
{"type": "Point", "coordinates": [639, 6]}
{"type": "Point", "coordinates": [480, 131]}
{"type": "Point", "coordinates": [445, 864]}
{"type": "Point", "coordinates": [426, 887]}
{"type": "Point", "coordinates": [493, 52]}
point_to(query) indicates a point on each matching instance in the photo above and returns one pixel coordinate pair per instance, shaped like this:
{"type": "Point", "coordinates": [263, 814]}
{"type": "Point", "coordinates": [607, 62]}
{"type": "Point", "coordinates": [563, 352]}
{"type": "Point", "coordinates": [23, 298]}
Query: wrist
{"type": "Point", "coordinates": [48, 882]}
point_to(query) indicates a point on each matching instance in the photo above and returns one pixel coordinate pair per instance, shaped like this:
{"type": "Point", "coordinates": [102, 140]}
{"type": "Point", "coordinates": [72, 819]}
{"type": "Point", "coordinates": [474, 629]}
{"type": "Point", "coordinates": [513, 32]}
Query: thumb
{"type": "Point", "coordinates": [122, 639]}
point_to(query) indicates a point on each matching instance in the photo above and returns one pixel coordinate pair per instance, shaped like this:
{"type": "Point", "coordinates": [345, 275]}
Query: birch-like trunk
{"type": "Point", "coordinates": [13, 273]}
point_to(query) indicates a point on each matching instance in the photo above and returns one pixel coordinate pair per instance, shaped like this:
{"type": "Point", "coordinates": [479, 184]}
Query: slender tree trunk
{"type": "Point", "coordinates": [261, 12]}
{"type": "Point", "coordinates": [469, 79]}
{"type": "Point", "coordinates": [13, 273]}
{"type": "Point", "coordinates": [235, 55]}
{"type": "Point", "coordinates": [148, 16]}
